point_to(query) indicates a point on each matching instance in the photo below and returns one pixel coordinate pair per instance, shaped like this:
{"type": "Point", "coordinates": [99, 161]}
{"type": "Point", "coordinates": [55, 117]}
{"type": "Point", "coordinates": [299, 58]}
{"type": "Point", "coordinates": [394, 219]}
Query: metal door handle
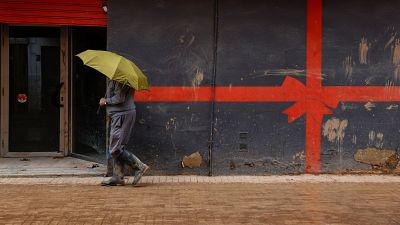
{"type": "Point", "coordinates": [59, 93]}
{"type": "Point", "coordinates": [58, 102]}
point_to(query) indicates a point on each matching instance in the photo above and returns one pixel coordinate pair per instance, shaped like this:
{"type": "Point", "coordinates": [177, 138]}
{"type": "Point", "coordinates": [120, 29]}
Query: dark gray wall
{"type": "Point", "coordinates": [346, 26]}
{"type": "Point", "coordinates": [172, 42]}
{"type": "Point", "coordinates": [257, 43]}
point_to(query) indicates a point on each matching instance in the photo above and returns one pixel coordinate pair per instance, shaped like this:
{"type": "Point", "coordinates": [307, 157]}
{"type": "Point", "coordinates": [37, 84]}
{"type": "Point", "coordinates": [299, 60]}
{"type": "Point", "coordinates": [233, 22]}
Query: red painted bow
{"type": "Point", "coordinates": [309, 100]}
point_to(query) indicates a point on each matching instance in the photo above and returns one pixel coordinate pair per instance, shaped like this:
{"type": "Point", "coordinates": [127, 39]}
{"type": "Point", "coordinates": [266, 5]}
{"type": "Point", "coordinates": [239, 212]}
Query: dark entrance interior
{"type": "Point", "coordinates": [89, 127]}
{"type": "Point", "coordinates": [34, 89]}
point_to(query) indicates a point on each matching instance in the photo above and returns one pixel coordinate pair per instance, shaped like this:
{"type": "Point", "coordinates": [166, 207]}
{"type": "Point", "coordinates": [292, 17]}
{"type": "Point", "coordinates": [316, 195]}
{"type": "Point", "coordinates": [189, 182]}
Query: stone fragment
{"type": "Point", "coordinates": [377, 157]}
{"type": "Point", "coordinates": [192, 161]}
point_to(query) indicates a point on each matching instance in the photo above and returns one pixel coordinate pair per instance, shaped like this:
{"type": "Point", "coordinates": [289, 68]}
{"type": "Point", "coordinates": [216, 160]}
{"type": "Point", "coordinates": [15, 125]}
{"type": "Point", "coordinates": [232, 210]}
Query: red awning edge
{"type": "Point", "coordinates": [54, 12]}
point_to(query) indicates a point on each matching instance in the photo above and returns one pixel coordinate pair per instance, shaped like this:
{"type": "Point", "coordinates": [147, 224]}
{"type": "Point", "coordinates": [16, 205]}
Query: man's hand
{"type": "Point", "coordinates": [102, 102]}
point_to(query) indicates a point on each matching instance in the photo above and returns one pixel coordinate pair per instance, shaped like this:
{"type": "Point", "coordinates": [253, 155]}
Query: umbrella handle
{"type": "Point", "coordinates": [98, 110]}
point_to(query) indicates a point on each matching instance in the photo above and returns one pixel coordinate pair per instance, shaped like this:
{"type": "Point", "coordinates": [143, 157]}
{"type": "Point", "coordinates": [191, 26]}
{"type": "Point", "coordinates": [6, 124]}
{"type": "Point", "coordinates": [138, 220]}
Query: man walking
{"type": "Point", "coordinates": [121, 108]}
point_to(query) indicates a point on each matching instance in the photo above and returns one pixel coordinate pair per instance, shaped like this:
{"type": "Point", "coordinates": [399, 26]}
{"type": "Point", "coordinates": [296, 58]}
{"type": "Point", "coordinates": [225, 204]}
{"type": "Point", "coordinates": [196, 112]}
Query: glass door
{"type": "Point", "coordinates": [35, 98]}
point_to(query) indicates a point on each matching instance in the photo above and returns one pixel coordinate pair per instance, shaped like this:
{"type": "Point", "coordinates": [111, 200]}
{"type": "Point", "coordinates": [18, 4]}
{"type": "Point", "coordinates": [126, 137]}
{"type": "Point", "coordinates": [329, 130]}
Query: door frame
{"type": "Point", "coordinates": [64, 133]}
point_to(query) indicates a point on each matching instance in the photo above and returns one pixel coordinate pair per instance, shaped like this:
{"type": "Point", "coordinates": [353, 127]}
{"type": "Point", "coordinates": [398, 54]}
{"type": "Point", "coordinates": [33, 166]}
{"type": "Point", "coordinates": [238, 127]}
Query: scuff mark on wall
{"type": "Point", "coordinates": [371, 136]}
{"type": "Point", "coordinates": [171, 127]}
{"type": "Point", "coordinates": [396, 60]}
{"type": "Point", "coordinates": [354, 139]}
{"type": "Point", "coordinates": [370, 79]}
{"type": "Point", "coordinates": [198, 78]}
{"type": "Point", "coordinates": [396, 52]}
{"type": "Point", "coordinates": [299, 156]}
{"type": "Point", "coordinates": [375, 139]}
{"type": "Point", "coordinates": [348, 106]}
{"type": "Point", "coordinates": [171, 124]}
{"type": "Point", "coordinates": [278, 72]}
{"type": "Point", "coordinates": [396, 73]}
{"type": "Point", "coordinates": [187, 39]}
{"type": "Point", "coordinates": [369, 106]}
{"type": "Point", "coordinates": [334, 129]}
{"type": "Point", "coordinates": [379, 136]}
{"type": "Point", "coordinates": [268, 163]}
{"type": "Point", "coordinates": [389, 88]}
{"type": "Point", "coordinates": [392, 38]}
{"type": "Point", "coordinates": [284, 72]}
{"type": "Point", "coordinates": [348, 64]}
{"type": "Point", "coordinates": [379, 140]}
{"type": "Point", "coordinates": [363, 51]}
{"type": "Point", "coordinates": [392, 107]}
{"type": "Point", "coordinates": [196, 81]}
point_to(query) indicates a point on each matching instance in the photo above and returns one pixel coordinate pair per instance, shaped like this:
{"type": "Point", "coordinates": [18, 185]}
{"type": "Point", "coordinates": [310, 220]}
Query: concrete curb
{"type": "Point", "coordinates": [213, 180]}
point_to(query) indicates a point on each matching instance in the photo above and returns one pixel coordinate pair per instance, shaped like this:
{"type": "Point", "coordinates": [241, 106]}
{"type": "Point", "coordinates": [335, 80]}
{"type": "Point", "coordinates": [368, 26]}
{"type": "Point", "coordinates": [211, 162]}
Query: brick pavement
{"type": "Point", "coordinates": [302, 199]}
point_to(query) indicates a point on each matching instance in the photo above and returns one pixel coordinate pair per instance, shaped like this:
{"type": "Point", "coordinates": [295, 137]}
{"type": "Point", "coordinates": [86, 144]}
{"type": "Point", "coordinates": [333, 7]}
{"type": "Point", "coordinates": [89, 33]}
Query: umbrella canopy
{"type": "Point", "coordinates": [115, 67]}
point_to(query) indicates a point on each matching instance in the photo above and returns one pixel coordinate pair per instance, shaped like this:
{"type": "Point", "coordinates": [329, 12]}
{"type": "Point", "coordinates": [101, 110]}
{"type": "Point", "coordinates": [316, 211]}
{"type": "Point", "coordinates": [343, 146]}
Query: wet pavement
{"type": "Point", "coordinates": [56, 201]}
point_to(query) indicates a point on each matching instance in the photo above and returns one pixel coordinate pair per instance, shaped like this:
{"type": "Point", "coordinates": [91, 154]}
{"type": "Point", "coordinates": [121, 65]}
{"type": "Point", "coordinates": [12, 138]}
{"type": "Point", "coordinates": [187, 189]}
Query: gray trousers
{"type": "Point", "coordinates": [120, 131]}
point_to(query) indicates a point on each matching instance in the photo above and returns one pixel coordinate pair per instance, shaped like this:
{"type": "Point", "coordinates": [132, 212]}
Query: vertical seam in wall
{"type": "Point", "coordinates": [214, 76]}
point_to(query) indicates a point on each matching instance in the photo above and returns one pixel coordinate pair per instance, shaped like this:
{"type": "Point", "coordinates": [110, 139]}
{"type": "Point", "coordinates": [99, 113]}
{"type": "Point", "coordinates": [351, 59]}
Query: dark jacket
{"type": "Point", "coordinates": [119, 98]}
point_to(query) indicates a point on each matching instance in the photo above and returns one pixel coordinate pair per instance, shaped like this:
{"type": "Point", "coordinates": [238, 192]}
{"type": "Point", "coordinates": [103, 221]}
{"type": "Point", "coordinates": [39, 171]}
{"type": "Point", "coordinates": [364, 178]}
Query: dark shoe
{"type": "Point", "coordinates": [113, 181]}
{"type": "Point", "coordinates": [118, 175]}
{"type": "Point", "coordinates": [139, 173]}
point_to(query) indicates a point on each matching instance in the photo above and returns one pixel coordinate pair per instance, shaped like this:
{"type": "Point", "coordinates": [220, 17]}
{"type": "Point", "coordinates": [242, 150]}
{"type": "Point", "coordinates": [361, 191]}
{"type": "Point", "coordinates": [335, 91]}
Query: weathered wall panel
{"type": "Point", "coordinates": [360, 44]}
{"type": "Point", "coordinates": [259, 44]}
{"type": "Point", "coordinates": [172, 42]}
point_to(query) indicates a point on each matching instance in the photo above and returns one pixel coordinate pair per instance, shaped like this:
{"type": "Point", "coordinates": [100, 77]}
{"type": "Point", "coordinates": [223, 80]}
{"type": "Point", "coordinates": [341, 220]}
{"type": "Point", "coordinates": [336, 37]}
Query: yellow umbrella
{"type": "Point", "coordinates": [115, 67]}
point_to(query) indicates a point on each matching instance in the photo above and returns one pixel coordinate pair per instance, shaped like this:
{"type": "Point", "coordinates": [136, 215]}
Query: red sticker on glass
{"type": "Point", "coordinates": [22, 98]}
